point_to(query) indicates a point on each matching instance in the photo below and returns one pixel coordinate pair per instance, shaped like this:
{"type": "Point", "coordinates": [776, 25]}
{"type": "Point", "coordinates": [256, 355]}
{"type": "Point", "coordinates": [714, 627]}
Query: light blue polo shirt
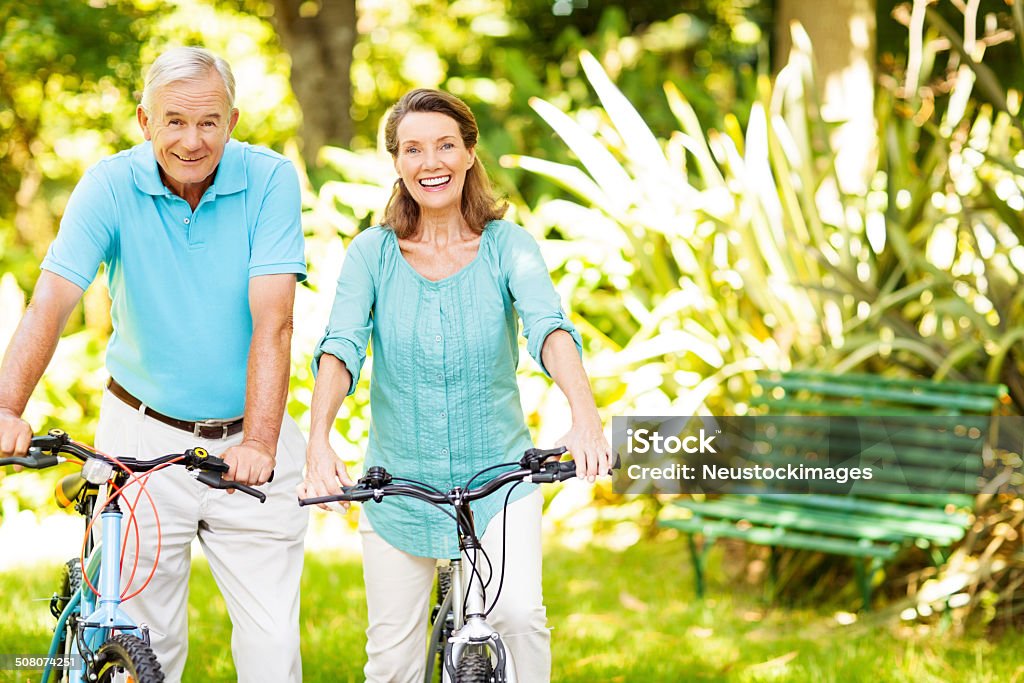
{"type": "Point", "coordinates": [179, 278]}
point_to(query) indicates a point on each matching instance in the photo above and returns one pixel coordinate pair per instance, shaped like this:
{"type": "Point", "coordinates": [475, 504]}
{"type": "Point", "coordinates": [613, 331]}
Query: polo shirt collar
{"type": "Point", "coordinates": [230, 176]}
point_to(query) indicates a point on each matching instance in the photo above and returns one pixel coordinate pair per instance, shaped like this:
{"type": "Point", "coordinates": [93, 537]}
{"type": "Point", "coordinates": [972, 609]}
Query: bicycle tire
{"type": "Point", "coordinates": [444, 584]}
{"type": "Point", "coordinates": [126, 659]}
{"type": "Point", "coordinates": [474, 667]}
{"type": "Point", "coordinates": [70, 582]}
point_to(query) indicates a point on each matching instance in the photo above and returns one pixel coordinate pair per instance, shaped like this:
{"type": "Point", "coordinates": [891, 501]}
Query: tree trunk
{"type": "Point", "coordinates": [319, 37]}
{"type": "Point", "coordinates": [842, 34]}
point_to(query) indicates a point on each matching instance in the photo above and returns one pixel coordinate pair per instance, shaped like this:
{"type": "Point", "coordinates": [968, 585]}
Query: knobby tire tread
{"type": "Point", "coordinates": [131, 653]}
{"type": "Point", "coordinates": [70, 582]}
{"type": "Point", "coordinates": [474, 667]}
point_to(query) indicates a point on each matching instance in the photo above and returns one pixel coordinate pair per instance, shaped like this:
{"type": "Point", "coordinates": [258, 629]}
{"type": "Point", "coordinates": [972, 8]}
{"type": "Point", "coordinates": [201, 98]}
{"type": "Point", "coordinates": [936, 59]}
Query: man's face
{"type": "Point", "coordinates": [189, 126]}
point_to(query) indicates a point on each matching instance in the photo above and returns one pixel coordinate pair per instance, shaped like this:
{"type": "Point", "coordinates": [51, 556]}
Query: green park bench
{"type": "Point", "coordinates": [880, 519]}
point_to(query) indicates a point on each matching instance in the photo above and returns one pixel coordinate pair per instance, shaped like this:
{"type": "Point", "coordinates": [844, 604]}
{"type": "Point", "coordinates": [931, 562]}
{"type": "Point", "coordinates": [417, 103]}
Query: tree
{"type": "Point", "coordinates": [842, 33]}
{"type": "Point", "coordinates": [319, 37]}
{"type": "Point", "coordinates": [62, 66]}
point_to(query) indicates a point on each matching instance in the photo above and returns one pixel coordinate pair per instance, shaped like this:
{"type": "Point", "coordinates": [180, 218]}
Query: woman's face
{"type": "Point", "coordinates": [432, 160]}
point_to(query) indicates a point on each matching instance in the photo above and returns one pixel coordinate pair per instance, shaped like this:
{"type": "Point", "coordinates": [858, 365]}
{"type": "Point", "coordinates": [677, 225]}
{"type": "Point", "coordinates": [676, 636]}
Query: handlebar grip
{"type": "Point", "coordinates": [561, 471]}
{"type": "Point", "coordinates": [566, 470]}
{"type": "Point", "coordinates": [303, 502]}
{"type": "Point", "coordinates": [357, 493]}
{"type": "Point", "coordinates": [215, 481]}
{"type": "Point", "coordinates": [554, 471]}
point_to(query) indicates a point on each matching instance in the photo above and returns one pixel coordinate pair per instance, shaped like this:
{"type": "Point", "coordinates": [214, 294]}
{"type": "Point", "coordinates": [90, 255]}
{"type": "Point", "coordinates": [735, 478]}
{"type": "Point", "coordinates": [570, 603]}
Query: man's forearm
{"type": "Point", "coordinates": [266, 391]}
{"type": "Point", "coordinates": [35, 340]}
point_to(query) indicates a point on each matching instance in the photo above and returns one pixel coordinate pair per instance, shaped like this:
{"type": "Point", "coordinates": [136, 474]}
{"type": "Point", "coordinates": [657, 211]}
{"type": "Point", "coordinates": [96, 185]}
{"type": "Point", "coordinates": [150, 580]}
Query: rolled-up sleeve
{"type": "Point", "coordinates": [350, 325]}
{"type": "Point", "coordinates": [533, 293]}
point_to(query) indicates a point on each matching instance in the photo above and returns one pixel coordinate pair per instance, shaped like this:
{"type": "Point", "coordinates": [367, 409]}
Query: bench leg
{"type": "Point", "coordinates": [866, 569]}
{"type": "Point", "coordinates": [772, 585]}
{"type": "Point", "coordinates": [698, 562]}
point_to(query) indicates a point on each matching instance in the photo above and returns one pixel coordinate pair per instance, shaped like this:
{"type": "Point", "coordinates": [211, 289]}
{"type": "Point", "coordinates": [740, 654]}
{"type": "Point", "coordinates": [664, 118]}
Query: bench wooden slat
{"type": "Point", "coordinates": [834, 522]}
{"type": "Point", "coordinates": [995, 391]}
{"type": "Point", "coordinates": [909, 510]}
{"type": "Point", "coordinates": [818, 408]}
{"type": "Point", "coordinates": [779, 537]}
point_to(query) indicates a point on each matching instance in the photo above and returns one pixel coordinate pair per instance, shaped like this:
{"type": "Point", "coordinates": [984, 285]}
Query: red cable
{"type": "Point", "coordinates": [133, 479]}
{"type": "Point", "coordinates": [159, 534]}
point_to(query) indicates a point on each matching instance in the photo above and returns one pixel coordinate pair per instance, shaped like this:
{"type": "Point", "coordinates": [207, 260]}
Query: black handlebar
{"type": "Point", "coordinates": [535, 466]}
{"type": "Point", "coordinates": [45, 451]}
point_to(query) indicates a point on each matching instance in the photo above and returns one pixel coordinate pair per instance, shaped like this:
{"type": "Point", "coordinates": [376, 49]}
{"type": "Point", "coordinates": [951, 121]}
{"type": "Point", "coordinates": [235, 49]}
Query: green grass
{"type": "Point", "coordinates": [617, 616]}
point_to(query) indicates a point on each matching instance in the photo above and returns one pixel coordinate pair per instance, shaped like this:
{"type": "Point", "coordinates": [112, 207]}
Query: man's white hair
{"type": "Point", "coordinates": [185, 64]}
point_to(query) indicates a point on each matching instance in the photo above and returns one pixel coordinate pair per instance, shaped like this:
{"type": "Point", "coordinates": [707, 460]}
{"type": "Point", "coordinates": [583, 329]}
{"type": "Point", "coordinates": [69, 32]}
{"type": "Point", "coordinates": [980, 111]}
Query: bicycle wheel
{"type": "Point", "coordinates": [444, 584]}
{"type": "Point", "coordinates": [126, 659]}
{"type": "Point", "coordinates": [70, 581]}
{"type": "Point", "coordinates": [474, 667]}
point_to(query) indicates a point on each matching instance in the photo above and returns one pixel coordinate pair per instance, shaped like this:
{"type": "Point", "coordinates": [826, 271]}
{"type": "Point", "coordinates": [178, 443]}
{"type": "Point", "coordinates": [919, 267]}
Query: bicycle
{"type": "Point", "coordinates": [468, 648]}
{"type": "Point", "coordinates": [94, 639]}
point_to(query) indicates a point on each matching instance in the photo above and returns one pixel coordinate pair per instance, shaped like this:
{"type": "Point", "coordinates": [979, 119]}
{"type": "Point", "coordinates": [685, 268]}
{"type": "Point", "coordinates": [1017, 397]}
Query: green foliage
{"type": "Point", "coordinates": [712, 253]}
{"type": "Point", "coordinates": [61, 106]}
{"type": "Point", "coordinates": [740, 247]}
{"type": "Point", "coordinates": [497, 54]}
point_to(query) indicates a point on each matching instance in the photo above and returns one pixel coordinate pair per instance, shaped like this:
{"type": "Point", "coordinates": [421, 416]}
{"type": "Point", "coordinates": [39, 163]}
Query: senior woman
{"type": "Point", "coordinates": [438, 288]}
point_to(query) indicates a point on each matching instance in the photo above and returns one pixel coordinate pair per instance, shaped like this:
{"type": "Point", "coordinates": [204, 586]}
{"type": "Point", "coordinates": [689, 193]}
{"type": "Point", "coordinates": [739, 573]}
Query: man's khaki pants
{"type": "Point", "coordinates": [398, 594]}
{"type": "Point", "coordinates": [255, 551]}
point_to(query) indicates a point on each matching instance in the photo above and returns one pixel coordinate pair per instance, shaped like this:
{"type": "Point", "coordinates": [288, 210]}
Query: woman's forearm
{"type": "Point", "coordinates": [333, 381]}
{"type": "Point", "coordinates": [563, 363]}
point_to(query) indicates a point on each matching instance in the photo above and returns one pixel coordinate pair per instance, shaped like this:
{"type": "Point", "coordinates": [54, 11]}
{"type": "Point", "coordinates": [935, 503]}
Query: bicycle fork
{"type": "Point", "coordinates": [472, 632]}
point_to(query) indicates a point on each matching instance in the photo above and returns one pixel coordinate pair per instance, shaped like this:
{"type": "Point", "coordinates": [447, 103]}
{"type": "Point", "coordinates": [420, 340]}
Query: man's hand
{"type": "Point", "coordinates": [325, 474]}
{"type": "Point", "coordinates": [250, 462]}
{"type": "Point", "coordinates": [15, 436]}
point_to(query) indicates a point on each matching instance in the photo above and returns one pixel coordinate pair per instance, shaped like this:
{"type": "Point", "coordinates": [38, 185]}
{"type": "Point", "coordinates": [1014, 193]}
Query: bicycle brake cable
{"type": "Point", "coordinates": [504, 536]}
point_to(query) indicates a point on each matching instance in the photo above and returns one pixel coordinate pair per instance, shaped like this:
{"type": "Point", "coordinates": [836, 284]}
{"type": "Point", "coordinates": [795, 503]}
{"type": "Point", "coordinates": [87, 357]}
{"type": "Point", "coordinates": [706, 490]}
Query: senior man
{"type": "Point", "coordinates": [202, 243]}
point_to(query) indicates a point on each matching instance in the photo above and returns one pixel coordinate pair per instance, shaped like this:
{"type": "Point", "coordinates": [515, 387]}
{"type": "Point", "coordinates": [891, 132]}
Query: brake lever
{"type": "Point", "coordinates": [534, 458]}
{"type": "Point", "coordinates": [215, 481]}
{"type": "Point", "coordinates": [34, 459]}
{"type": "Point", "coordinates": [200, 459]}
{"type": "Point", "coordinates": [53, 440]}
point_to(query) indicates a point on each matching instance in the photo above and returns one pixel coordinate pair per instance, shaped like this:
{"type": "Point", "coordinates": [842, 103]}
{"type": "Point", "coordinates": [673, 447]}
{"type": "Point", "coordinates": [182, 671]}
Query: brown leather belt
{"type": "Point", "coordinates": [204, 429]}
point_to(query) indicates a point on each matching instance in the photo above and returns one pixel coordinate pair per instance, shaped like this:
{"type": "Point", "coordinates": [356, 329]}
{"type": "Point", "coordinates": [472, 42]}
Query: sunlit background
{"type": "Point", "coordinates": [720, 187]}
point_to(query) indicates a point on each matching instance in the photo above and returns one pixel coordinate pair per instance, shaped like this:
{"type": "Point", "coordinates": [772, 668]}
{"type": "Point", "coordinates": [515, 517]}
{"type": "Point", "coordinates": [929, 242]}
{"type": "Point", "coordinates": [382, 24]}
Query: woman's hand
{"type": "Point", "coordinates": [325, 475]}
{"type": "Point", "coordinates": [589, 447]}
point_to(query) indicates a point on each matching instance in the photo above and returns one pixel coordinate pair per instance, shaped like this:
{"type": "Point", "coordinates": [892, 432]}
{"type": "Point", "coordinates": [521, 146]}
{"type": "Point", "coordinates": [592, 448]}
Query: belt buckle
{"type": "Point", "coordinates": [198, 425]}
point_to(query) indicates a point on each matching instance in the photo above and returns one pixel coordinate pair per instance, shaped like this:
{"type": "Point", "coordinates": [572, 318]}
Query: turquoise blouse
{"type": "Point", "coordinates": [444, 401]}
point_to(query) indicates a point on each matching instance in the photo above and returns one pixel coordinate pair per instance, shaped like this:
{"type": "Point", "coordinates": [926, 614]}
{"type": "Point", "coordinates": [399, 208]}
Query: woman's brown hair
{"type": "Point", "coordinates": [479, 204]}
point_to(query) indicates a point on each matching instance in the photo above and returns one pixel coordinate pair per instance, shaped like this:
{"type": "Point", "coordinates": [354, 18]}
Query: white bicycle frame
{"type": "Point", "coordinates": [471, 627]}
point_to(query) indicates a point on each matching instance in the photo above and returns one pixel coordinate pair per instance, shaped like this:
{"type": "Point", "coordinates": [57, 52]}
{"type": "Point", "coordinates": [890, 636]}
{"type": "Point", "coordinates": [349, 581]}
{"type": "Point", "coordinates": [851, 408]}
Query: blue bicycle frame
{"type": "Point", "coordinates": [96, 621]}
